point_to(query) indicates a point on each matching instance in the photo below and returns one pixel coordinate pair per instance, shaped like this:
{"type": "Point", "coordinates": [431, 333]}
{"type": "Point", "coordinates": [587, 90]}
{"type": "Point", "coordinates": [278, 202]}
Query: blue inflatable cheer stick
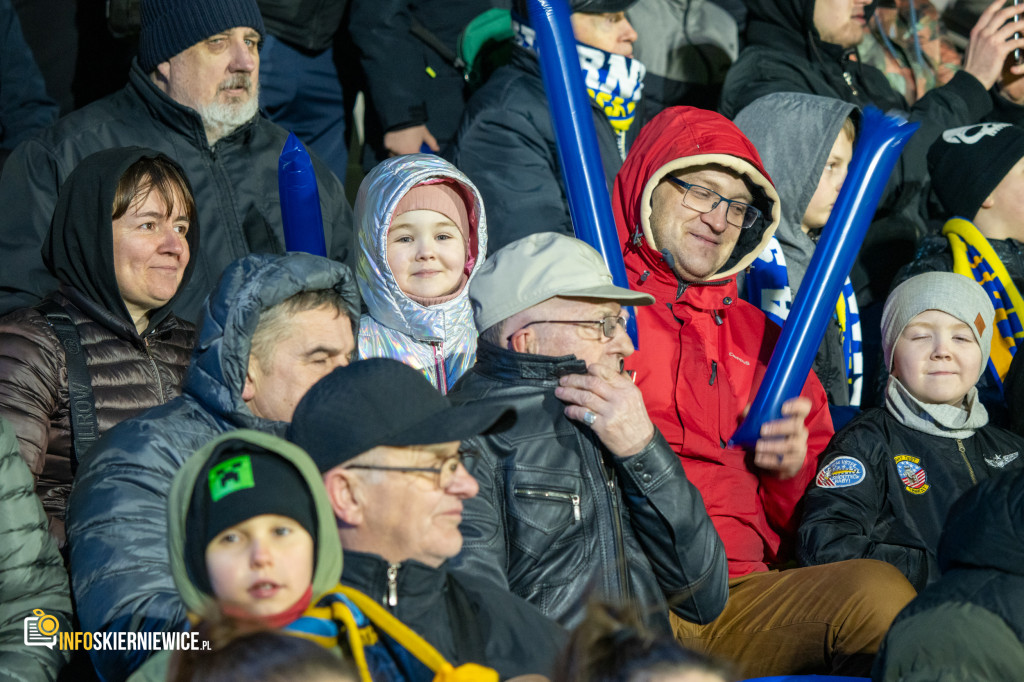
{"type": "Point", "coordinates": [300, 200]}
{"type": "Point", "coordinates": [589, 203]}
{"type": "Point", "coordinates": [881, 140]}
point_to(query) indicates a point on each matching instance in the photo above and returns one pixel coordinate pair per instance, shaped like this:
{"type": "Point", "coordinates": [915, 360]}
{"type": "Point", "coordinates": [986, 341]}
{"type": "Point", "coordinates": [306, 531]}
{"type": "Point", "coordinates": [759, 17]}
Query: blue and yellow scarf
{"type": "Point", "coordinates": [973, 257]}
{"type": "Point", "coordinates": [768, 289]}
{"type": "Point", "coordinates": [614, 82]}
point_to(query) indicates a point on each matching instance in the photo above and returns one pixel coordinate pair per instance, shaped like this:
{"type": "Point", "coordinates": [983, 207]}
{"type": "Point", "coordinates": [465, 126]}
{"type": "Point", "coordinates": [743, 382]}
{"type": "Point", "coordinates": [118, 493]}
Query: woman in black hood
{"type": "Point", "coordinates": [120, 243]}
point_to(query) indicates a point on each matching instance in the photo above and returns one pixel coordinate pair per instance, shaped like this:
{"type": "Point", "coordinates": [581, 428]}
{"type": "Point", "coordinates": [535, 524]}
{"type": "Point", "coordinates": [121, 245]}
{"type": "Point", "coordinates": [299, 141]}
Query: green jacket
{"type": "Point", "coordinates": [327, 569]}
{"type": "Point", "coordinates": [32, 574]}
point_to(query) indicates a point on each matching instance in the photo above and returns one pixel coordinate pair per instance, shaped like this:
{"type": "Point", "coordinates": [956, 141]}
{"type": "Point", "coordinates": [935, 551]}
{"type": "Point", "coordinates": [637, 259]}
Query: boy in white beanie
{"type": "Point", "coordinates": [888, 479]}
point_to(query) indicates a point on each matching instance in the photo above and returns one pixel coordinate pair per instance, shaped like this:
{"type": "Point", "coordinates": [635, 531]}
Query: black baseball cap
{"type": "Point", "coordinates": [380, 401]}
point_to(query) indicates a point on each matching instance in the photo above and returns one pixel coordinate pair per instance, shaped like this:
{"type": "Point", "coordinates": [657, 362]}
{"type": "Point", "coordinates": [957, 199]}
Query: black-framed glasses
{"type": "Point", "coordinates": [704, 200]}
{"type": "Point", "coordinates": [609, 325]}
{"type": "Point", "coordinates": [444, 473]}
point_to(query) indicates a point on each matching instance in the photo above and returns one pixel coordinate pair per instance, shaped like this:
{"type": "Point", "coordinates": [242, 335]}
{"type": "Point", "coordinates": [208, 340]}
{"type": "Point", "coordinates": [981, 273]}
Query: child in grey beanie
{"type": "Point", "coordinates": [888, 478]}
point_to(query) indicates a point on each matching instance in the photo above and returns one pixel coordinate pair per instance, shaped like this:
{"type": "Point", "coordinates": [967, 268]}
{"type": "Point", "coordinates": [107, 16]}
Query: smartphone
{"type": "Point", "coordinates": [1018, 53]}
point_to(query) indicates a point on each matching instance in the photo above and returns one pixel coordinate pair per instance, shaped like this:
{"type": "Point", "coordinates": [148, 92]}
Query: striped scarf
{"type": "Point", "coordinates": [382, 647]}
{"type": "Point", "coordinates": [973, 257]}
{"type": "Point", "coordinates": [768, 289]}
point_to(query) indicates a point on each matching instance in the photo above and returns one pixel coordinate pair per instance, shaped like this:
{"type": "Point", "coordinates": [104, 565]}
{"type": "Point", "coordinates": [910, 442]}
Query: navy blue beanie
{"type": "Point", "coordinates": [173, 26]}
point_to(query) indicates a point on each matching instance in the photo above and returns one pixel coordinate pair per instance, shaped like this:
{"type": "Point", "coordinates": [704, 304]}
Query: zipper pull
{"type": "Point", "coordinates": [576, 513]}
{"type": "Point", "coordinates": [849, 81]}
{"type": "Point", "coordinates": [718, 319]}
{"type": "Point", "coordinates": [393, 585]}
{"type": "Point", "coordinates": [714, 372]}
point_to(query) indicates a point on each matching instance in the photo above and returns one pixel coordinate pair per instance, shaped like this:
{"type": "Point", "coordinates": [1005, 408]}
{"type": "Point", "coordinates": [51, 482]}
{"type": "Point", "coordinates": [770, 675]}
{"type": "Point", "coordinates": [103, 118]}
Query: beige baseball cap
{"type": "Point", "coordinates": [533, 269]}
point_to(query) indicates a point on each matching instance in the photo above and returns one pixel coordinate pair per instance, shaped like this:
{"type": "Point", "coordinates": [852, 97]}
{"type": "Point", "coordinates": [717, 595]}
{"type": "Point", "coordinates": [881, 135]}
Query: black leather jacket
{"type": "Point", "coordinates": [464, 618]}
{"type": "Point", "coordinates": [558, 516]}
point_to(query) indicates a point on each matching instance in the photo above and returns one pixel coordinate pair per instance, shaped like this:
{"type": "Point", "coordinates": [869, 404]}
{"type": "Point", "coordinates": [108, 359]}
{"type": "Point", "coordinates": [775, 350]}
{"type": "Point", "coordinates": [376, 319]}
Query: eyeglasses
{"type": "Point", "coordinates": [445, 473]}
{"type": "Point", "coordinates": [704, 200]}
{"type": "Point", "coordinates": [609, 325]}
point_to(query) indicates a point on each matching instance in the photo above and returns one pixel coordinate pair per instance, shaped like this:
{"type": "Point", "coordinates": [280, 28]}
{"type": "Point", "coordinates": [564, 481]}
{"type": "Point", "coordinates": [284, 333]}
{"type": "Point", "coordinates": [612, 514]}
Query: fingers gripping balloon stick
{"type": "Point", "coordinates": [582, 172]}
{"type": "Point", "coordinates": [300, 200]}
{"type": "Point", "coordinates": [880, 142]}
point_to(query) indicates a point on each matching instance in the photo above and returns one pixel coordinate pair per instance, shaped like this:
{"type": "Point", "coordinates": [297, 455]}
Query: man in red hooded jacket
{"type": "Point", "coordinates": [694, 206]}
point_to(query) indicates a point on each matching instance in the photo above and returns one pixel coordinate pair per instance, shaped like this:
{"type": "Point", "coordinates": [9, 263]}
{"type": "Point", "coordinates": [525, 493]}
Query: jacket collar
{"type": "Point", "coordinates": [182, 119]}
{"type": "Point", "coordinates": [507, 365]}
{"type": "Point", "coordinates": [368, 573]}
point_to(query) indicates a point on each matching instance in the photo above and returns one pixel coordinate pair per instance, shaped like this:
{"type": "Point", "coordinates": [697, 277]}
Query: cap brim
{"type": "Point", "coordinates": [610, 292]}
{"type": "Point", "coordinates": [458, 422]}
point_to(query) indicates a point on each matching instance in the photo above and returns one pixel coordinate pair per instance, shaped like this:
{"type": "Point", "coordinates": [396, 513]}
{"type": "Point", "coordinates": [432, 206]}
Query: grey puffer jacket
{"type": "Point", "coordinates": [117, 517]}
{"type": "Point", "coordinates": [558, 516]}
{"type": "Point", "coordinates": [438, 340]}
{"type": "Point", "coordinates": [234, 181]}
{"type": "Point", "coordinates": [32, 572]}
{"type": "Point", "coordinates": [794, 133]}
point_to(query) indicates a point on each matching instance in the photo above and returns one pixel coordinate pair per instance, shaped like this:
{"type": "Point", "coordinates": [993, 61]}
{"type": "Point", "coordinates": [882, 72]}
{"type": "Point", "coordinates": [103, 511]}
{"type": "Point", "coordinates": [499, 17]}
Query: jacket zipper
{"type": "Point", "coordinates": [537, 493]}
{"type": "Point", "coordinates": [439, 369]}
{"type": "Point", "coordinates": [714, 372]}
{"type": "Point", "coordinates": [963, 453]}
{"type": "Point", "coordinates": [620, 545]}
{"type": "Point", "coordinates": [156, 370]}
{"type": "Point", "coordinates": [392, 598]}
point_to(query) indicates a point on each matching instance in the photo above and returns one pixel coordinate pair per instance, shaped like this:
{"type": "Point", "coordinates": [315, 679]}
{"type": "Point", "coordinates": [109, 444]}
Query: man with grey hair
{"type": "Point", "coordinates": [582, 495]}
{"type": "Point", "coordinates": [193, 95]}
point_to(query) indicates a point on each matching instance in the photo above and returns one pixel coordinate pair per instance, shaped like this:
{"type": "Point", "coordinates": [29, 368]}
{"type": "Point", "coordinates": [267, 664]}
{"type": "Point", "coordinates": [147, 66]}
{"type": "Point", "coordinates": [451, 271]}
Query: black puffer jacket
{"type": "Point", "coordinates": [863, 506]}
{"type": "Point", "coordinates": [235, 185]}
{"type": "Point", "coordinates": [969, 625]}
{"type": "Point", "coordinates": [466, 619]}
{"type": "Point", "coordinates": [129, 371]}
{"type": "Point", "coordinates": [557, 515]}
{"type": "Point", "coordinates": [506, 145]}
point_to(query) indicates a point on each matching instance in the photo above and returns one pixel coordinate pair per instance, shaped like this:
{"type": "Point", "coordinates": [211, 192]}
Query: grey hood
{"type": "Point", "coordinates": [794, 133]}
{"type": "Point", "coordinates": [397, 326]}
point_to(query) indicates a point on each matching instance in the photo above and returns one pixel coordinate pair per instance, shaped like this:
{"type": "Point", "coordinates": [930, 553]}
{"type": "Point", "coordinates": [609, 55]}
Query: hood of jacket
{"type": "Point", "coordinates": [393, 316]}
{"type": "Point", "coordinates": [676, 139]}
{"type": "Point", "coordinates": [250, 285]}
{"type": "Point", "coordinates": [79, 249]}
{"type": "Point", "coordinates": [794, 133]}
{"type": "Point", "coordinates": [983, 528]}
{"type": "Point", "coordinates": [327, 567]}
{"type": "Point", "coordinates": [788, 25]}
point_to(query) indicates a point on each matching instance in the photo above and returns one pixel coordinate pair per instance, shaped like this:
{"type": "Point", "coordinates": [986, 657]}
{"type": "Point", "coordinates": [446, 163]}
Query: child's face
{"type": "Point", "coordinates": [262, 565]}
{"type": "Point", "coordinates": [820, 206]}
{"type": "Point", "coordinates": [426, 253]}
{"type": "Point", "coordinates": [937, 358]}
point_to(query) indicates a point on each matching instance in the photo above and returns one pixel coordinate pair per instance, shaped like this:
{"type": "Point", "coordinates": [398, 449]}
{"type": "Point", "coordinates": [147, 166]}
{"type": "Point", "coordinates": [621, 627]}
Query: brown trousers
{"type": "Point", "coordinates": [827, 619]}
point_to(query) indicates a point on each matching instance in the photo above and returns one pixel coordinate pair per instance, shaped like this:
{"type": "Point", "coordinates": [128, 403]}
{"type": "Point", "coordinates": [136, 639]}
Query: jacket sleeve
{"type": "Point", "coordinates": [782, 497]}
{"type": "Point", "coordinates": [30, 379]}
{"type": "Point", "coordinates": [32, 571]}
{"type": "Point", "coordinates": [844, 521]}
{"type": "Point", "coordinates": [118, 535]}
{"type": "Point", "coordinates": [28, 193]}
{"type": "Point", "coordinates": [514, 164]}
{"type": "Point", "coordinates": [392, 61]}
{"type": "Point", "coordinates": [672, 525]}
{"type": "Point", "coordinates": [483, 552]}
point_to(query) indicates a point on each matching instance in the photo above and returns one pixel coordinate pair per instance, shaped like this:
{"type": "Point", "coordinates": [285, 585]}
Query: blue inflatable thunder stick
{"type": "Point", "coordinates": [300, 200]}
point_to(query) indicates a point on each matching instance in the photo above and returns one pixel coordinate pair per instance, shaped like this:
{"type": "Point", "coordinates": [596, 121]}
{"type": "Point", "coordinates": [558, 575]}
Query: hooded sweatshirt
{"type": "Point", "coordinates": [118, 520]}
{"type": "Point", "coordinates": [129, 371]}
{"type": "Point", "coordinates": [703, 351]}
{"type": "Point", "coordinates": [439, 340]}
{"type": "Point", "coordinates": [794, 133]}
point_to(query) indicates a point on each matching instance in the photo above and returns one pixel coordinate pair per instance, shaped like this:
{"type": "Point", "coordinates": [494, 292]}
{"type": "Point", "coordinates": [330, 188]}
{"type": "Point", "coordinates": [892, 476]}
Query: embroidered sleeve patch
{"type": "Point", "coordinates": [912, 474]}
{"type": "Point", "coordinates": [842, 472]}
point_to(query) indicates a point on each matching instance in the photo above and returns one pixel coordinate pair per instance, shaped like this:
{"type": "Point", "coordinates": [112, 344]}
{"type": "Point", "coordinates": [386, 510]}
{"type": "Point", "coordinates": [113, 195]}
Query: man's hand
{"type": "Point", "coordinates": [409, 140]}
{"type": "Point", "coordinates": [992, 42]}
{"type": "Point", "coordinates": [782, 446]}
{"type": "Point", "coordinates": [619, 416]}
